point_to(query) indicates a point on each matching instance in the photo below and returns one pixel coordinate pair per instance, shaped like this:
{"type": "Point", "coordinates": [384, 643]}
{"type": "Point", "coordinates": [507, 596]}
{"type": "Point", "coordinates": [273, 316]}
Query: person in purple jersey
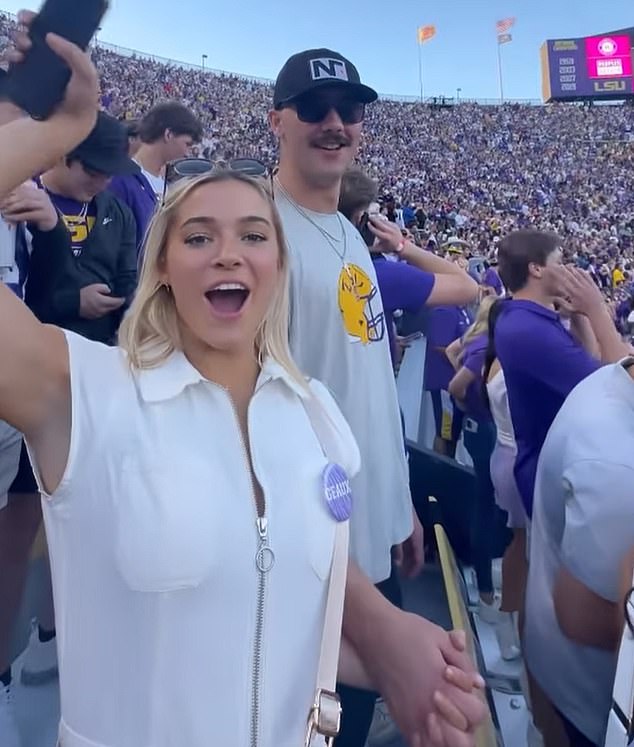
{"type": "Point", "coordinates": [167, 132]}
{"type": "Point", "coordinates": [542, 361]}
{"type": "Point", "coordinates": [445, 324]}
{"type": "Point", "coordinates": [421, 278]}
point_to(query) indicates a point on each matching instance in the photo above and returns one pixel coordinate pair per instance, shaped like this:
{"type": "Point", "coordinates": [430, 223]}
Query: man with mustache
{"type": "Point", "coordinates": [339, 335]}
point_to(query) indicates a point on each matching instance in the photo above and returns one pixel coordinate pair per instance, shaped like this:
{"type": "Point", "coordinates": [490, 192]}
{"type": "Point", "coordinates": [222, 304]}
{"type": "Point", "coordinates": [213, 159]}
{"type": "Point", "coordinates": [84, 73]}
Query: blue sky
{"type": "Point", "coordinates": [256, 36]}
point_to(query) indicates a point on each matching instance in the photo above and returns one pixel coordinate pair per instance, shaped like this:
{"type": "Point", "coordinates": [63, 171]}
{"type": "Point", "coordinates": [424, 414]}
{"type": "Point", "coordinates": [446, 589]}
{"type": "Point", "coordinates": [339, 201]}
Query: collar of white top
{"type": "Point", "coordinates": [174, 376]}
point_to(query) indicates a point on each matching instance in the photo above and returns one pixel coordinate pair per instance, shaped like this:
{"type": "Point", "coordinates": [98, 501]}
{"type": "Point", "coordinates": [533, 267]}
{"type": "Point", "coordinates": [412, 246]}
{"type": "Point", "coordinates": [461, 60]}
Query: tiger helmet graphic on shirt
{"type": "Point", "coordinates": [360, 305]}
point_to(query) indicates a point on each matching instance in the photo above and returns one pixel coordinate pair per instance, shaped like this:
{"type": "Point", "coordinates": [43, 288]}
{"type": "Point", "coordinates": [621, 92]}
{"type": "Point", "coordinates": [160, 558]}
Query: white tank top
{"type": "Point", "coordinates": [499, 403]}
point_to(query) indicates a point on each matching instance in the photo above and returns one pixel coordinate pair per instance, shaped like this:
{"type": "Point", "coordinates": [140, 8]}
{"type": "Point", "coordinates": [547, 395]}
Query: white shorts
{"type": "Point", "coordinates": [10, 446]}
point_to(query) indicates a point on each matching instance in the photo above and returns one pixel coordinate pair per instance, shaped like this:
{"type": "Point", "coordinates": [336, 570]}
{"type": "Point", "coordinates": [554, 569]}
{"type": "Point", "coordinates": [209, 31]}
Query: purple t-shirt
{"type": "Point", "coordinates": [473, 360]}
{"type": "Point", "coordinates": [402, 287]}
{"type": "Point", "coordinates": [542, 364]}
{"type": "Point", "coordinates": [445, 324]}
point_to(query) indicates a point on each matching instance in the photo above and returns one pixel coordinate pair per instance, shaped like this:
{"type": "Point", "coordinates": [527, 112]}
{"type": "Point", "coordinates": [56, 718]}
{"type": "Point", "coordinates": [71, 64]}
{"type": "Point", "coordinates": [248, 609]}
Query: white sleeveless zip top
{"type": "Point", "coordinates": [169, 634]}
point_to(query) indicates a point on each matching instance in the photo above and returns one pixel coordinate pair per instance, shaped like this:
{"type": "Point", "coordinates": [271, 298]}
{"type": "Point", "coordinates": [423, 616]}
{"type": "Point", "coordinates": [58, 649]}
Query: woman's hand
{"type": "Point", "coordinates": [78, 108]}
{"type": "Point", "coordinates": [429, 683]}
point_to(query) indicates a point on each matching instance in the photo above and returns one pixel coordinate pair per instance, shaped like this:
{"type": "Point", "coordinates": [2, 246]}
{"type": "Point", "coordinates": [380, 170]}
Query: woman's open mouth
{"type": "Point", "coordinates": [227, 299]}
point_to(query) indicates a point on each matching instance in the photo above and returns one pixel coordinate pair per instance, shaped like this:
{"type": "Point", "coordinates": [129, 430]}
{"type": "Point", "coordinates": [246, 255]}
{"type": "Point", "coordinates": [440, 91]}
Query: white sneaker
{"type": "Point", "coordinates": [504, 625]}
{"type": "Point", "coordinates": [489, 613]}
{"type": "Point", "coordinates": [40, 660]}
{"type": "Point", "coordinates": [506, 636]}
{"type": "Point", "coordinates": [9, 735]}
{"type": "Point", "coordinates": [383, 729]}
{"type": "Point", "coordinates": [496, 574]}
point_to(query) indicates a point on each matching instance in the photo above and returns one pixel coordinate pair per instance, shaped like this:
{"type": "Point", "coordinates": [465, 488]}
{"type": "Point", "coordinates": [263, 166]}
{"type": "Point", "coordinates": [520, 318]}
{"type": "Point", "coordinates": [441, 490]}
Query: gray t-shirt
{"type": "Point", "coordinates": [339, 336]}
{"type": "Point", "coordinates": [583, 520]}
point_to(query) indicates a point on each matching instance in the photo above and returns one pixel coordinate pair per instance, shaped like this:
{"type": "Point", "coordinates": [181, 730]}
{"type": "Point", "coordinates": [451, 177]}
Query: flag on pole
{"type": "Point", "coordinates": [504, 38]}
{"type": "Point", "coordinates": [505, 25]}
{"type": "Point", "coordinates": [425, 33]}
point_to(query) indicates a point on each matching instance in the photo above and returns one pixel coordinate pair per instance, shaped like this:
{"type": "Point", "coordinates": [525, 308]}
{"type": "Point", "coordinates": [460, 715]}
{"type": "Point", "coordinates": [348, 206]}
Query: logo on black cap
{"type": "Point", "coordinates": [328, 68]}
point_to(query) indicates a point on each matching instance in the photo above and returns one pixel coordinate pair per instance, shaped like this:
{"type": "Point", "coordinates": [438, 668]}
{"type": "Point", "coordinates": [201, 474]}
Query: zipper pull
{"type": "Point", "coordinates": [263, 528]}
{"type": "Point", "coordinates": [265, 557]}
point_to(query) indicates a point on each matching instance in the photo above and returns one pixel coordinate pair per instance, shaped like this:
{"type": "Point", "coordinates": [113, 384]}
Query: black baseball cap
{"type": "Point", "coordinates": [316, 68]}
{"type": "Point", "coordinates": [106, 148]}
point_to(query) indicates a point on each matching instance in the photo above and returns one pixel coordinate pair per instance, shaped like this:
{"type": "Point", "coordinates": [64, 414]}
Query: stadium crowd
{"type": "Point", "coordinates": [476, 171]}
{"type": "Point", "coordinates": [539, 193]}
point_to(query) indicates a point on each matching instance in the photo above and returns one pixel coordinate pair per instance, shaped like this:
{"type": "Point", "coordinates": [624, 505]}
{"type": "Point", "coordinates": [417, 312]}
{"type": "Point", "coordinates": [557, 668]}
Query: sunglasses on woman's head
{"type": "Point", "coordinates": [189, 168]}
{"type": "Point", "coordinates": [313, 109]}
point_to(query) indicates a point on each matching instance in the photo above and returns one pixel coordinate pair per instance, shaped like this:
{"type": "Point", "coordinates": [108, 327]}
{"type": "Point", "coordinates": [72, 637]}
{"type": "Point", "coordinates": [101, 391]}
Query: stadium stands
{"type": "Point", "coordinates": [560, 167]}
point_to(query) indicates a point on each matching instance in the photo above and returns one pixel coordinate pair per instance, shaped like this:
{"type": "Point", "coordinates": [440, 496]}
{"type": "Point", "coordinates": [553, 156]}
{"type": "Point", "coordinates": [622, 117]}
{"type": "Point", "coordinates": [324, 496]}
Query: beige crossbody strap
{"type": "Point", "coordinates": [325, 716]}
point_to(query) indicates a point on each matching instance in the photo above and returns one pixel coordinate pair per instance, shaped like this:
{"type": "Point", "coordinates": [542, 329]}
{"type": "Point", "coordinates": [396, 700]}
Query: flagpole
{"type": "Point", "coordinates": [501, 77]}
{"type": "Point", "coordinates": [420, 72]}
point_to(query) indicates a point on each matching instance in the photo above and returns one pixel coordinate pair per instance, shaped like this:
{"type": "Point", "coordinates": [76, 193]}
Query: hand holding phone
{"type": "Point", "coordinates": [366, 232]}
{"type": "Point", "coordinates": [79, 98]}
{"type": "Point", "coordinates": [36, 82]}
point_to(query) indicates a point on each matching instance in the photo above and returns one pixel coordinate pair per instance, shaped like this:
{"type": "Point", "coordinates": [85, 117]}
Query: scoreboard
{"type": "Point", "coordinates": [594, 67]}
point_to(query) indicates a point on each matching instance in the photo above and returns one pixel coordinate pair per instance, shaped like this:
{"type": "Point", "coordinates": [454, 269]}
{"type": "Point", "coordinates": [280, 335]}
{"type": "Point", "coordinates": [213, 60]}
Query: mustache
{"type": "Point", "coordinates": [332, 140]}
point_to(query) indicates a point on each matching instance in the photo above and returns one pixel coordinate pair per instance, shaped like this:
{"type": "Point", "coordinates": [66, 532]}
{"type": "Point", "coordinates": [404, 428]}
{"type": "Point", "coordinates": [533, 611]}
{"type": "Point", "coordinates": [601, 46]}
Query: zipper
{"type": "Point", "coordinates": [264, 562]}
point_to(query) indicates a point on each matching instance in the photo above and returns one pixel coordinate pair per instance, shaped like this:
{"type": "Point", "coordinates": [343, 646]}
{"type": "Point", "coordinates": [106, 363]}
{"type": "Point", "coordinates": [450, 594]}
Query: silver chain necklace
{"type": "Point", "coordinates": [332, 240]}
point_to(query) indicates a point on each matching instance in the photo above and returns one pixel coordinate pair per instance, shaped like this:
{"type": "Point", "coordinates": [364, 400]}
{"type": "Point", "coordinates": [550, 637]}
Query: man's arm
{"type": "Point", "coordinates": [452, 285]}
{"type": "Point", "coordinates": [597, 535]}
{"type": "Point", "coordinates": [583, 616]}
{"type": "Point", "coordinates": [586, 299]}
{"type": "Point", "coordinates": [52, 289]}
{"type": "Point", "coordinates": [582, 331]}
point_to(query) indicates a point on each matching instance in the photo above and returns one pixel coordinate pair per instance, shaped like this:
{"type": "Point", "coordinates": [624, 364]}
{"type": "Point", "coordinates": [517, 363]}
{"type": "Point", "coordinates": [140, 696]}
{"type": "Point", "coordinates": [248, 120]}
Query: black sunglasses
{"type": "Point", "coordinates": [314, 109]}
{"type": "Point", "coordinates": [188, 168]}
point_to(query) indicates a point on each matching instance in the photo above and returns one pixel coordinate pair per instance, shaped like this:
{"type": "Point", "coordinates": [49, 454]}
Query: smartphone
{"type": "Point", "coordinates": [365, 231]}
{"type": "Point", "coordinates": [37, 84]}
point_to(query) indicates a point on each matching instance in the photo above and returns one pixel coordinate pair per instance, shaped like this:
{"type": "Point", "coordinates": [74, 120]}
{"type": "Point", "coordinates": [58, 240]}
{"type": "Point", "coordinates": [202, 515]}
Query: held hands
{"type": "Point", "coordinates": [78, 109]}
{"type": "Point", "coordinates": [29, 204]}
{"type": "Point", "coordinates": [430, 684]}
{"type": "Point", "coordinates": [97, 300]}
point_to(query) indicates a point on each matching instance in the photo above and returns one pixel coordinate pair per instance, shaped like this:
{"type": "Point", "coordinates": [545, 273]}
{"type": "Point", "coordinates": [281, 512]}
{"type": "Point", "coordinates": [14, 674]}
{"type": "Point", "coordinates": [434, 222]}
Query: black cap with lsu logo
{"type": "Point", "coordinates": [315, 68]}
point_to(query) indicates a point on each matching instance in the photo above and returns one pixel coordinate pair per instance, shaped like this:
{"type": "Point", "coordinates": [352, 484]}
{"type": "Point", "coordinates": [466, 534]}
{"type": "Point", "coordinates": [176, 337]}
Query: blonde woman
{"type": "Point", "coordinates": [187, 504]}
{"type": "Point", "coordinates": [479, 434]}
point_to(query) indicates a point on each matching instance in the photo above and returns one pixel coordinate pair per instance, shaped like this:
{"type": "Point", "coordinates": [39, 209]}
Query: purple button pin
{"type": "Point", "coordinates": [337, 492]}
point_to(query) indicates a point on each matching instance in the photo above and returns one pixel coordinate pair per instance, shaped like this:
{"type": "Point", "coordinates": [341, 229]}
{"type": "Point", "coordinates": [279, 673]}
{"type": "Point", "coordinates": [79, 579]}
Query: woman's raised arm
{"type": "Point", "coordinates": [28, 147]}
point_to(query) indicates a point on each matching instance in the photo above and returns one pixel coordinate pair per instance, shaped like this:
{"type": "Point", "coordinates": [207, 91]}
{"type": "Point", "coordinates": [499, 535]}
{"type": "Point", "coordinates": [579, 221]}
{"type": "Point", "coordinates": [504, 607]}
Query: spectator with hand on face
{"type": "Point", "coordinates": [421, 278]}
